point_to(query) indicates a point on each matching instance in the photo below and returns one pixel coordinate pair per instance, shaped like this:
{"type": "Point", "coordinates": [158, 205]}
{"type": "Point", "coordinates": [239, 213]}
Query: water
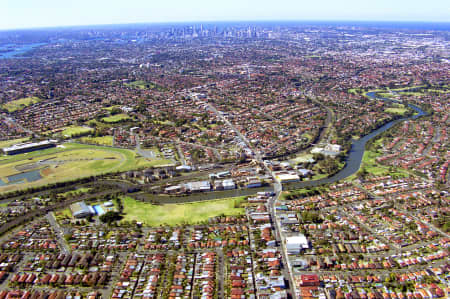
{"type": "Point", "coordinates": [354, 158]}
{"type": "Point", "coordinates": [23, 177]}
{"type": "Point", "coordinates": [12, 51]}
{"type": "Point", "coordinates": [162, 199]}
{"type": "Point", "coordinates": [99, 210]}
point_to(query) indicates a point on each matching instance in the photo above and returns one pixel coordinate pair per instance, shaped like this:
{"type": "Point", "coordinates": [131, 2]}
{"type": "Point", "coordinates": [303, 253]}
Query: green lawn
{"type": "Point", "coordinates": [302, 158]}
{"type": "Point", "coordinates": [438, 90]}
{"type": "Point", "coordinates": [20, 104]}
{"type": "Point", "coordinates": [369, 163]}
{"type": "Point", "coordinates": [76, 131]}
{"type": "Point", "coordinates": [144, 85]}
{"type": "Point", "coordinates": [411, 93]}
{"type": "Point", "coordinates": [110, 108]}
{"type": "Point", "coordinates": [7, 143]}
{"type": "Point", "coordinates": [63, 214]}
{"type": "Point", "coordinates": [400, 111]}
{"type": "Point", "coordinates": [307, 135]}
{"type": "Point", "coordinates": [355, 91]}
{"type": "Point", "coordinates": [176, 214]}
{"type": "Point", "coordinates": [319, 176]}
{"type": "Point", "coordinates": [386, 95]}
{"type": "Point", "coordinates": [74, 161]}
{"type": "Point", "coordinates": [78, 191]}
{"type": "Point", "coordinates": [408, 88]}
{"type": "Point", "coordinates": [139, 84]}
{"type": "Point", "coordinates": [116, 118]}
{"type": "Point", "coordinates": [104, 140]}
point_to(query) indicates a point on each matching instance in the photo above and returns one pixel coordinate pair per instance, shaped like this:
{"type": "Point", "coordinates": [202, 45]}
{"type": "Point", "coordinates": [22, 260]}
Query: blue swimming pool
{"type": "Point", "coordinates": [99, 210]}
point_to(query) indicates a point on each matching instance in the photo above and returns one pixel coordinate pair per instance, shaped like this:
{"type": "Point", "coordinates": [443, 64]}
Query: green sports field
{"type": "Point", "coordinates": [116, 118]}
{"type": "Point", "coordinates": [400, 111]}
{"type": "Point", "coordinates": [76, 131]}
{"type": "Point", "coordinates": [20, 104]}
{"type": "Point", "coordinates": [144, 85]}
{"type": "Point", "coordinates": [104, 140]}
{"type": "Point", "coordinates": [176, 214]}
{"type": "Point", "coordinates": [68, 162]}
{"type": "Point", "coordinates": [372, 167]}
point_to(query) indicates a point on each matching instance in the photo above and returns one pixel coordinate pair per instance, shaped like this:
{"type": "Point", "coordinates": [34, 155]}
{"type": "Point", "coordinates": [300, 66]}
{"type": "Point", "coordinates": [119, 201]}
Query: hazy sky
{"type": "Point", "coordinates": [48, 13]}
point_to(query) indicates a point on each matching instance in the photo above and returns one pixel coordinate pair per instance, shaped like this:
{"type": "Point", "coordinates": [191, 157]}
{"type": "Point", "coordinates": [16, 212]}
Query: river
{"type": "Point", "coordinates": [14, 51]}
{"type": "Point", "coordinates": [354, 158]}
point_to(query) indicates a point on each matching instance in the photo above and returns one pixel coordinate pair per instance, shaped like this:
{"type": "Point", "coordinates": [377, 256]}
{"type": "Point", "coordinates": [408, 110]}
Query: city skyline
{"type": "Point", "coordinates": [51, 13]}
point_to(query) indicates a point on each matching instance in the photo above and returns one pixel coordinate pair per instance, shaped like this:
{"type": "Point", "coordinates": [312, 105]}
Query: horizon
{"type": "Point", "coordinates": [316, 22]}
{"type": "Point", "coordinates": [16, 15]}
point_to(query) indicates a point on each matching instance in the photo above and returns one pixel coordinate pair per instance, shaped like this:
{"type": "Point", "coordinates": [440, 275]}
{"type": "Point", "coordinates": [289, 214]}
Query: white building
{"type": "Point", "coordinates": [228, 184]}
{"type": "Point", "coordinates": [201, 186]}
{"type": "Point", "coordinates": [287, 177]}
{"type": "Point", "coordinates": [81, 210]}
{"type": "Point", "coordinates": [295, 244]}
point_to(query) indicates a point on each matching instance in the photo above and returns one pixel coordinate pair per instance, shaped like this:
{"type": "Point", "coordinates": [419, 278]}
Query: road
{"type": "Point", "coordinates": [290, 290]}
{"type": "Point", "coordinates": [13, 122]}
{"type": "Point", "coordinates": [180, 154]}
{"type": "Point", "coordinates": [229, 124]}
{"type": "Point", "coordinates": [221, 274]}
{"type": "Point", "coordinates": [144, 153]}
{"type": "Point", "coordinates": [431, 226]}
{"type": "Point", "coordinates": [58, 232]}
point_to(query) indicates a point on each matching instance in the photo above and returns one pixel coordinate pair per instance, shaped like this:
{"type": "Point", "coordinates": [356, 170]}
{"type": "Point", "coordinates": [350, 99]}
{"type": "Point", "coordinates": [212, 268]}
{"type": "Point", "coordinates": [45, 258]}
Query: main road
{"type": "Point", "coordinates": [278, 187]}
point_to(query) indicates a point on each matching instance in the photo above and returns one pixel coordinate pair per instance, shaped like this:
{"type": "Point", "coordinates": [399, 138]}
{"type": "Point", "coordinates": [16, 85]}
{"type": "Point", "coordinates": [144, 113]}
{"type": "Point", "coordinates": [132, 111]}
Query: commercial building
{"type": "Point", "coordinates": [295, 244]}
{"type": "Point", "coordinates": [310, 280]}
{"type": "Point", "coordinates": [287, 178]}
{"type": "Point", "coordinates": [331, 150]}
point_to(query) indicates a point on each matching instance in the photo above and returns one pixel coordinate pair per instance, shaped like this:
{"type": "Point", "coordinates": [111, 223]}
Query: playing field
{"type": "Point", "coordinates": [110, 108]}
{"type": "Point", "coordinates": [68, 162]}
{"type": "Point", "coordinates": [175, 214]}
{"type": "Point", "coordinates": [104, 140]}
{"type": "Point", "coordinates": [76, 131]}
{"type": "Point", "coordinates": [144, 85]}
{"type": "Point", "coordinates": [371, 166]}
{"type": "Point", "coordinates": [116, 118]}
{"type": "Point", "coordinates": [20, 104]}
{"type": "Point", "coordinates": [400, 111]}
{"type": "Point", "coordinates": [302, 158]}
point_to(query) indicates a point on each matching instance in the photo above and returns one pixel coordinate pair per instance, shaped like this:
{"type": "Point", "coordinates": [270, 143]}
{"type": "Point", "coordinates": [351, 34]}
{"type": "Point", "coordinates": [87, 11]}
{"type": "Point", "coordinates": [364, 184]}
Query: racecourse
{"type": "Point", "coordinates": [69, 161]}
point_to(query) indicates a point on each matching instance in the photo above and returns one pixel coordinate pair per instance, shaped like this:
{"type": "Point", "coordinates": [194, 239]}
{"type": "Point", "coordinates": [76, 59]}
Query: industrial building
{"type": "Point", "coordinates": [201, 186]}
{"type": "Point", "coordinates": [228, 184]}
{"type": "Point", "coordinates": [253, 182]}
